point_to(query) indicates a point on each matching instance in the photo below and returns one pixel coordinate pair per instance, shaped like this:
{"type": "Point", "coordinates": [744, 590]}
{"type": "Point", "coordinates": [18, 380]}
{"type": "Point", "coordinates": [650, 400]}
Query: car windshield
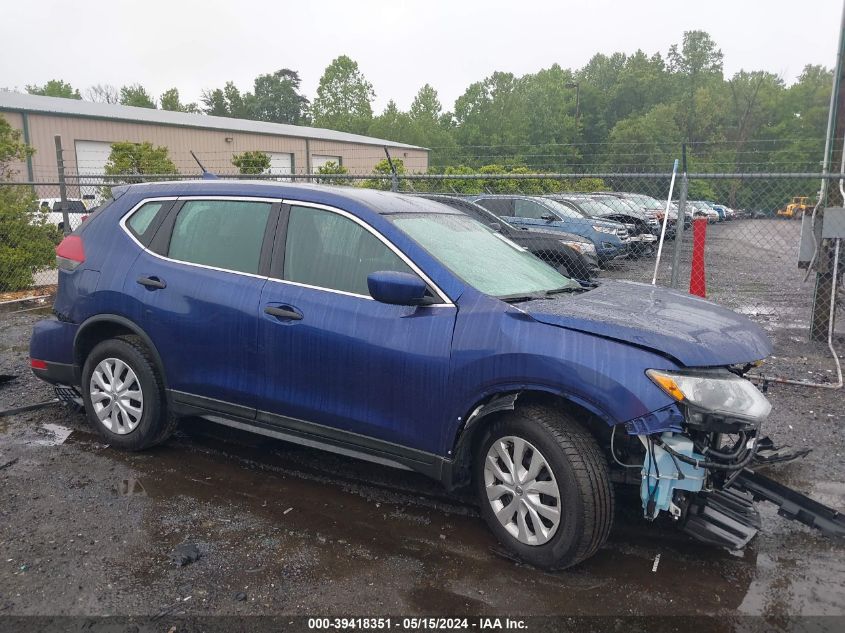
{"type": "Point", "coordinates": [481, 257]}
{"type": "Point", "coordinates": [646, 202]}
{"type": "Point", "coordinates": [594, 207]}
{"type": "Point", "coordinates": [564, 210]}
{"type": "Point", "coordinates": [617, 204]}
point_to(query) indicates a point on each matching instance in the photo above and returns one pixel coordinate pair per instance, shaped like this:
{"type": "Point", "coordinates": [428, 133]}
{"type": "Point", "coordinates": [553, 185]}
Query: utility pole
{"type": "Point", "coordinates": [833, 158]}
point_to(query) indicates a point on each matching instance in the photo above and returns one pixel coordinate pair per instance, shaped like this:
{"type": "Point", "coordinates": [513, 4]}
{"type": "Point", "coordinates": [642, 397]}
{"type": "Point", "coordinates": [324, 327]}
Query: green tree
{"type": "Point", "coordinates": [332, 168]}
{"type": "Point", "coordinates": [648, 142]}
{"type": "Point", "coordinates": [26, 238]}
{"type": "Point", "coordinates": [491, 115]}
{"type": "Point", "coordinates": [382, 175]}
{"type": "Point", "coordinates": [252, 162]}
{"type": "Point", "coordinates": [227, 101]}
{"type": "Point", "coordinates": [138, 162]}
{"type": "Point", "coordinates": [55, 88]}
{"type": "Point", "coordinates": [695, 65]}
{"type": "Point", "coordinates": [344, 98]}
{"type": "Point", "coordinates": [429, 127]}
{"type": "Point", "coordinates": [136, 95]}
{"type": "Point", "coordinates": [276, 98]}
{"type": "Point", "coordinates": [392, 124]}
{"type": "Point", "coordinates": [170, 101]}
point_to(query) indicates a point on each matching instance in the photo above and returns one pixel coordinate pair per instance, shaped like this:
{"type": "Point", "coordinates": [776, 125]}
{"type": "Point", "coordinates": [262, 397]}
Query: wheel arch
{"type": "Point", "coordinates": [492, 406]}
{"type": "Point", "coordinates": [101, 327]}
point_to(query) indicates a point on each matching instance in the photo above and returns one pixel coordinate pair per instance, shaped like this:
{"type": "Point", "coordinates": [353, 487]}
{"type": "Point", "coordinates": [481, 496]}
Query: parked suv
{"type": "Point", "coordinates": [571, 255]}
{"type": "Point", "coordinates": [610, 238]}
{"type": "Point", "coordinates": [399, 330]}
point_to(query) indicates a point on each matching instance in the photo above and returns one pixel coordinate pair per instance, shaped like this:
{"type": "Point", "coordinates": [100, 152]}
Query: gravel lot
{"type": "Point", "coordinates": [283, 530]}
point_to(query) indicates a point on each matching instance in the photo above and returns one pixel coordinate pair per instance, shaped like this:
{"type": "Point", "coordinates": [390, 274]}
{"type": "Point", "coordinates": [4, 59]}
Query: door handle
{"type": "Point", "coordinates": [153, 283]}
{"type": "Point", "coordinates": [283, 313]}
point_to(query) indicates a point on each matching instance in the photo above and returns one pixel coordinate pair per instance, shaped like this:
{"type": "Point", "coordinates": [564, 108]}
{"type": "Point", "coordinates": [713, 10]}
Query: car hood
{"type": "Point", "coordinates": [693, 331]}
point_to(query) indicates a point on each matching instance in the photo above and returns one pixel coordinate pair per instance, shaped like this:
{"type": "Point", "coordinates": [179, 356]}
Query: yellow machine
{"type": "Point", "coordinates": [796, 208]}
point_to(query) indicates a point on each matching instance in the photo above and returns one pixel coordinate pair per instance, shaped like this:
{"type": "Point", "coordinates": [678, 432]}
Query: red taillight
{"type": "Point", "coordinates": [70, 253]}
{"type": "Point", "coordinates": [37, 364]}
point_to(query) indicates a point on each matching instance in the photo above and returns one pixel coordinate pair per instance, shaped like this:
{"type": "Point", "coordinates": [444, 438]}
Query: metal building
{"type": "Point", "coordinates": [88, 129]}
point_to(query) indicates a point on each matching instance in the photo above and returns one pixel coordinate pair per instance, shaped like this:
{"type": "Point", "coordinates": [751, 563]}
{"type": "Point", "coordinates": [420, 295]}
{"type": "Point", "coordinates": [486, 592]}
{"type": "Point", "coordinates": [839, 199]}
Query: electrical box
{"type": "Point", "coordinates": [833, 226]}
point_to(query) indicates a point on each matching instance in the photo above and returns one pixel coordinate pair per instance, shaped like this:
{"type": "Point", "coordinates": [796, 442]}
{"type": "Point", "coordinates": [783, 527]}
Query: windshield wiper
{"type": "Point", "coordinates": [520, 298]}
{"type": "Point", "coordinates": [556, 291]}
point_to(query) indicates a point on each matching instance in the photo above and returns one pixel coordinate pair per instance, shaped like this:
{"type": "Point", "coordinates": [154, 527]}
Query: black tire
{"type": "Point", "coordinates": [156, 424]}
{"type": "Point", "coordinates": [580, 469]}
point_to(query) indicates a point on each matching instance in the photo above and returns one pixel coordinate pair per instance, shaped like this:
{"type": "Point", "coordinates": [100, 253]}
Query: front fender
{"type": "Point", "coordinates": [506, 351]}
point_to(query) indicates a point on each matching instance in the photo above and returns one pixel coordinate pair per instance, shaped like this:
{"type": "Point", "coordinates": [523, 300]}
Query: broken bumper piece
{"type": "Point", "coordinates": [726, 518]}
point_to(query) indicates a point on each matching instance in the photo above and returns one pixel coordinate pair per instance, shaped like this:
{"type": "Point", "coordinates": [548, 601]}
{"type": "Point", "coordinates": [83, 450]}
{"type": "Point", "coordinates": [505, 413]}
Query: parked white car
{"type": "Point", "coordinates": [76, 210]}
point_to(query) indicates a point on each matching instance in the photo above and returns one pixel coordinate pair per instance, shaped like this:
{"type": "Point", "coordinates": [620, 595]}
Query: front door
{"type": "Point", "coordinates": [334, 356]}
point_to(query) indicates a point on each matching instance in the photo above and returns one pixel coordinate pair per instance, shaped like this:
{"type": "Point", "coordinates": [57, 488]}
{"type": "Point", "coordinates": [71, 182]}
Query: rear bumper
{"type": "Point", "coordinates": [58, 373]}
{"type": "Point", "coordinates": [51, 351]}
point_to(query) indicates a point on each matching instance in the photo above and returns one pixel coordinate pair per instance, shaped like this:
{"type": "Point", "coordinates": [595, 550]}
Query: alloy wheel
{"type": "Point", "coordinates": [522, 490]}
{"type": "Point", "coordinates": [116, 396]}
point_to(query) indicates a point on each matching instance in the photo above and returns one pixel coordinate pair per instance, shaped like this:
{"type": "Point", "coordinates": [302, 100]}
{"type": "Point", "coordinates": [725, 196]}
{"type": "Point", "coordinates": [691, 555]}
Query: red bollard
{"type": "Point", "coordinates": [697, 284]}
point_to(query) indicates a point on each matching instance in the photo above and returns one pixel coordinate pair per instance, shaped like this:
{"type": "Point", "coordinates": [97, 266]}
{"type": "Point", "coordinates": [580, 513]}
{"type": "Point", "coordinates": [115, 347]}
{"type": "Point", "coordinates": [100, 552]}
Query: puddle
{"type": "Point", "coordinates": [51, 435]}
{"type": "Point", "coordinates": [130, 487]}
{"type": "Point", "coordinates": [756, 310]}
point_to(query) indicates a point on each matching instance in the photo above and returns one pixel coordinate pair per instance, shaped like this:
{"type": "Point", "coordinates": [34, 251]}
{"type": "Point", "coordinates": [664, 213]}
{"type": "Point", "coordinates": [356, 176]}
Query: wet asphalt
{"type": "Point", "coordinates": [86, 529]}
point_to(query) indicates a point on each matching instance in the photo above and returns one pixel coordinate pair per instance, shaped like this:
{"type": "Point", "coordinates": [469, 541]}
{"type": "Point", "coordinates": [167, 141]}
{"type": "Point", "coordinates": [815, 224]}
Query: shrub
{"type": "Point", "coordinates": [252, 162]}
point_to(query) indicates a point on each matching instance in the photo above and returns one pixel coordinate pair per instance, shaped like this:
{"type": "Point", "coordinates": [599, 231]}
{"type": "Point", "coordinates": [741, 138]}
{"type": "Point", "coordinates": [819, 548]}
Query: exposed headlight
{"type": "Point", "coordinates": [719, 392]}
{"type": "Point", "coordinates": [604, 229]}
{"type": "Point", "coordinates": [581, 247]}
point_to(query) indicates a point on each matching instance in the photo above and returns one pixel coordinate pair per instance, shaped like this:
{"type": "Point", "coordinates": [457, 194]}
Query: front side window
{"type": "Point", "coordinates": [222, 233]}
{"type": "Point", "coordinates": [327, 250]}
{"type": "Point", "coordinates": [481, 257]}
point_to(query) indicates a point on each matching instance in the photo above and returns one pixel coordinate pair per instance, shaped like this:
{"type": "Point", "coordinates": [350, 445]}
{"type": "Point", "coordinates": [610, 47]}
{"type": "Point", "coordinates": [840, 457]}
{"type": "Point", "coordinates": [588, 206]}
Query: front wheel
{"type": "Point", "coordinates": [543, 487]}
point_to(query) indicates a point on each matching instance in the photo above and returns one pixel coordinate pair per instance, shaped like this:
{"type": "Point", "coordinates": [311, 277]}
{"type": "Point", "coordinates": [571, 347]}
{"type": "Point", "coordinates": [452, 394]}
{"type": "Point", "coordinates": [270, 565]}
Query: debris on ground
{"type": "Point", "coordinates": [11, 462]}
{"type": "Point", "coordinates": [240, 596]}
{"type": "Point", "coordinates": [185, 554]}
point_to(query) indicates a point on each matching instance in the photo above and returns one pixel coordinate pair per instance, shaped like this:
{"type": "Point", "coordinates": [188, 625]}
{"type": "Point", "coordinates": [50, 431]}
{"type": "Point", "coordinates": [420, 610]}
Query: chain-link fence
{"type": "Point", "coordinates": [734, 238]}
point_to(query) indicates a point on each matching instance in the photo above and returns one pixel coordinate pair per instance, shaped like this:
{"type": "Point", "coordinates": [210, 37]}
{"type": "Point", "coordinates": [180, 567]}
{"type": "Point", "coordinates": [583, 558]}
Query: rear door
{"type": "Point", "coordinates": [196, 290]}
{"type": "Point", "coordinates": [336, 358]}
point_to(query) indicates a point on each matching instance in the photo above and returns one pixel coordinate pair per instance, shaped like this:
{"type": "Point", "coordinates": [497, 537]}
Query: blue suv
{"type": "Point", "coordinates": [399, 330]}
{"type": "Point", "coordinates": [610, 238]}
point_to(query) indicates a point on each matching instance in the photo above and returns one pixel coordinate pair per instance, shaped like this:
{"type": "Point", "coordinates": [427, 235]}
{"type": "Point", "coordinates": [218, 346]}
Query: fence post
{"type": "Point", "coordinates": [679, 227]}
{"type": "Point", "coordinates": [62, 185]}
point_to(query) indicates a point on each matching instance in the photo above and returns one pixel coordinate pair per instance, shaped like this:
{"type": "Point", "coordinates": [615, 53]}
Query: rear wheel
{"type": "Point", "coordinates": [124, 395]}
{"type": "Point", "coordinates": [543, 487]}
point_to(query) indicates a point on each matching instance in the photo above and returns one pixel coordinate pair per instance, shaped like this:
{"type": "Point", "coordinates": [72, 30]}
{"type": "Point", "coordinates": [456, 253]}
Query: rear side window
{"type": "Point", "coordinates": [141, 220]}
{"type": "Point", "coordinates": [502, 207]}
{"type": "Point", "coordinates": [225, 234]}
{"type": "Point", "coordinates": [328, 250]}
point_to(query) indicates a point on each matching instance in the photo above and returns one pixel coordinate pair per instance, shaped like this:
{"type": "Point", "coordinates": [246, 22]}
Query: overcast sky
{"type": "Point", "coordinates": [399, 46]}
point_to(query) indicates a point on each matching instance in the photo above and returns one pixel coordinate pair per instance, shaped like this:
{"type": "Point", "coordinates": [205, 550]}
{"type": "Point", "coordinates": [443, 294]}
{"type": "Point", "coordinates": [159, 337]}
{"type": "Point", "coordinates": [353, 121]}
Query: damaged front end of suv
{"type": "Point", "coordinates": [688, 470]}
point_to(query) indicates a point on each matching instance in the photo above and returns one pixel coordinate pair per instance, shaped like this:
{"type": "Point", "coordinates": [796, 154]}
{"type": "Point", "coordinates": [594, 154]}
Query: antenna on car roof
{"type": "Point", "coordinates": [206, 175]}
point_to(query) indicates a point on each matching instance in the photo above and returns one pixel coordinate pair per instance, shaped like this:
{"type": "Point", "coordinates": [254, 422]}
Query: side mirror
{"type": "Point", "coordinates": [495, 226]}
{"type": "Point", "coordinates": [548, 217]}
{"type": "Point", "coordinates": [401, 289]}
